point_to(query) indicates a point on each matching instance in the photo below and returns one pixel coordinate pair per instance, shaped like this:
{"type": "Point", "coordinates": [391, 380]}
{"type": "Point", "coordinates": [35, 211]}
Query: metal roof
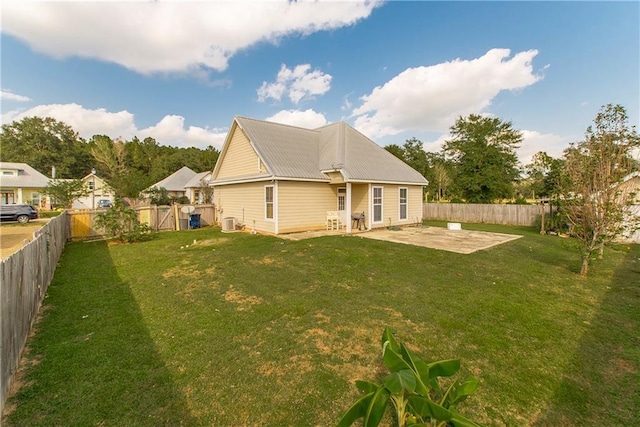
{"type": "Point", "coordinates": [290, 152]}
{"type": "Point", "coordinates": [198, 180]}
{"type": "Point", "coordinates": [286, 151]}
{"type": "Point", "coordinates": [27, 176]}
{"type": "Point", "coordinates": [176, 181]}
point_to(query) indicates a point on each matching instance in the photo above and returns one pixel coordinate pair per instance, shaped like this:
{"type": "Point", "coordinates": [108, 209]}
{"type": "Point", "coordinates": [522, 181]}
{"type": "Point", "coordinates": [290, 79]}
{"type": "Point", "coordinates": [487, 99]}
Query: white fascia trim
{"type": "Point", "coordinates": [366, 181]}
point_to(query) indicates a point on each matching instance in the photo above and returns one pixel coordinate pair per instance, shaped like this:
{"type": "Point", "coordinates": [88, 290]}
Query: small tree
{"type": "Point", "coordinates": [121, 223]}
{"type": "Point", "coordinates": [482, 150]}
{"type": "Point", "coordinates": [158, 196]}
{"type": "Point", "coordinates": [64, 192]}
{"type": "Point", "coordinates": [413, 390]}
{"type": "Point", "coordinates": [594, 205]}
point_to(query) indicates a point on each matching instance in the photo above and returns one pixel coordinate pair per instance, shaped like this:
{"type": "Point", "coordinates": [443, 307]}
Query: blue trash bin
{"type": "Point", "coordinates": [194, 220]}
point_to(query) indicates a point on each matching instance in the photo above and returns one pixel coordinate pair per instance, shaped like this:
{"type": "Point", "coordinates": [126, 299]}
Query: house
{"type": "Point", "coordinates": [22, 184]}
{"type": "Point", "coordinates": [275, 178]}
{"type": "Point", "coordinates": [175, 183]}
{"type": "Point", "coordinates": [631, 186]}
{"type": "Point", "coordinates": [198, 190]}
{"type": "Point", "coordinates": [98, 189]}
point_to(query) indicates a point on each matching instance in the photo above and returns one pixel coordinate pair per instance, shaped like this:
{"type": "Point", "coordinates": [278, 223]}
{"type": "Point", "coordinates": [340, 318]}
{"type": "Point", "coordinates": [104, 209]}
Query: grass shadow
{"type": "Point", "coordinates": [594, 378]}
{"type": "Point", "coordinates": [92, 346]}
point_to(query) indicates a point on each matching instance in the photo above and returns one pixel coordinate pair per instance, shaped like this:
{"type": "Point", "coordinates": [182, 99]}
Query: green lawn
{"type": "Point", "coordinates": [244, 329]}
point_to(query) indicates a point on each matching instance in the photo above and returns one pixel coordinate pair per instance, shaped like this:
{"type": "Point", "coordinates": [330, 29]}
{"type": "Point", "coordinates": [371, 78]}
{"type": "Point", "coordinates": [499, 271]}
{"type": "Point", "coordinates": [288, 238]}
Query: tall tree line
{"type": "Point", "coordinates": [477, 164]}
{"type": "Point", "coordinates": [128, 165]}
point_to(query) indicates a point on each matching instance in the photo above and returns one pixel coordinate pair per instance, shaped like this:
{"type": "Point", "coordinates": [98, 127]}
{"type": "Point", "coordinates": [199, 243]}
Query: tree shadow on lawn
{"type": "Point", "coordinates": [92, 360]}
{"type": "Point", "coordinates": [601, 385]}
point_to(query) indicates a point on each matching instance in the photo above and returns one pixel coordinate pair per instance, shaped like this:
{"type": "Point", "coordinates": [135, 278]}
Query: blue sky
{"type": "Point", "coordinates": [179, 72]}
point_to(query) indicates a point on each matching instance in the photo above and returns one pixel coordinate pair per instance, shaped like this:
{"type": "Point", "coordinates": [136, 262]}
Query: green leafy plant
{"type": "Point", "coordinates": [413, 390]}
{"type": "Point", "coordinates": [121, 223]}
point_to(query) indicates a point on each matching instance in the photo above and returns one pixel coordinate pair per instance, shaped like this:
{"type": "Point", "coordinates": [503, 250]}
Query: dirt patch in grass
{"type": "Point", "coordinates": [212, 242]}
{"type": "Point", "coordinates": [245, 302]}
{"type": "Point", "coordinates": [186, 270]}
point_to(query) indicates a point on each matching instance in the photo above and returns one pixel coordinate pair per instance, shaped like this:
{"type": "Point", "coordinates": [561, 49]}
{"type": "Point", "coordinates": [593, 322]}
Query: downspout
{"type": "Point", "coordinates": [275, 207]}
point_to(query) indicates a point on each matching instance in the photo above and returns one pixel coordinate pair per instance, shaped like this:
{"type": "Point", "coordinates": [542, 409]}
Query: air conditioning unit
{"type": "Point", "coordinates": [228, 225]}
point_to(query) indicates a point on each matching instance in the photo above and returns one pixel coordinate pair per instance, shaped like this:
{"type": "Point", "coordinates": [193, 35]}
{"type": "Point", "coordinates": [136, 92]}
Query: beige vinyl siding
{"type": "Point", "coordinates": [360, 199]}
{"type": "Point", "coordinates": [390, 205]}
{"type": "Point", "coordinates": [335, 177]}
{"type": "Point", "coordinates": [415, 204]}
{"type": "Point", "coordinates": [245, 202]}
{"type": "Point", "coordinates": [240, 158]}
{"type": "Point", "coordinates": [303, 206]}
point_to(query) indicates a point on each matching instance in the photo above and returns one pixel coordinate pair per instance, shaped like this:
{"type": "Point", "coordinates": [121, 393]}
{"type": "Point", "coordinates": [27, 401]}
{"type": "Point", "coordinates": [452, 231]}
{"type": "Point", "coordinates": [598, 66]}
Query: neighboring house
{"type": "Point", "coordinates": [175, 183]}
{"type": "Point", "coordinates": [98, 189]}
{"type": "Point", "coordinates": [631, 184]}
{"type": "Point", "coordinates": [275, 178]}
{"type": "Point", "coordinates": [198, 190]}
{"type": "Point", "coordinates": [22, 184]}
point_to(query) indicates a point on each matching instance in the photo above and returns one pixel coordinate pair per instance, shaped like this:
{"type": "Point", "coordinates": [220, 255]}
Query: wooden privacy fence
{"type": "Point", "coordinates": [527, 215]}
{"type": "Point", "coordinates": [159, 218]}
{"type": "Point", "coordinates": [25, 277]}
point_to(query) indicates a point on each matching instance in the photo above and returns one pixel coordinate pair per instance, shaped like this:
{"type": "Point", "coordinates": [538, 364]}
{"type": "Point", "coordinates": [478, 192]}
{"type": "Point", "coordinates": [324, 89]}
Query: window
{"type": "Point", "coordinates": [7, 198]}
{"type": "Point", "coordinates": [268, 202]}
{"type": "Point", "coordinates": [403, 203]}
{"type": "Point", "coordinates": [90, 185]}
{"type": "Point", "coordinates": [35, 199]}
{"type": "Point", "coordinates": [377, 204]}
{"type": "Point", "coordinates": [342, 192]}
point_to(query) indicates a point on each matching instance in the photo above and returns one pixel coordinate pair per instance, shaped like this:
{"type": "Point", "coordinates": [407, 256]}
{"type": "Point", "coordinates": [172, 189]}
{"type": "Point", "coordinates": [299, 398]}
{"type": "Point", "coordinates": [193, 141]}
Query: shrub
{"type": "Point", "coordinates": [121, 223]}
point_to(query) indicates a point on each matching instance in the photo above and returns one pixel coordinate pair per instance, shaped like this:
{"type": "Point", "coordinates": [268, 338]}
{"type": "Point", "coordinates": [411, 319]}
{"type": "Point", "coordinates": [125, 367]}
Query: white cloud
{"type": "Point", "coordinates": [533, 141]}
{"type": "Point", "coordinates": [308, 119]}
{"type": "Point", "coordinates": [298, 83]}
{"type": "Point", "coordinates": [170, 130]}
{"type": "Point", "coordinates": [162, 36]}
{"type": "Point", "coordinates": [8, 95]}
{"type": "Point", "coordinates": [430, 98]}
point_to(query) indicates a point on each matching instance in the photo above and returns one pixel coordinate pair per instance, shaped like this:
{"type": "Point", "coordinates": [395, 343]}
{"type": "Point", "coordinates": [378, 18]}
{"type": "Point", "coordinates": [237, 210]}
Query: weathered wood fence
{"type": "Point", "coordinates": [527, 215]}
{"type": "Point", "coordinates": [159, 218]}
{"type": "Point", "coordinates": [25, 276]}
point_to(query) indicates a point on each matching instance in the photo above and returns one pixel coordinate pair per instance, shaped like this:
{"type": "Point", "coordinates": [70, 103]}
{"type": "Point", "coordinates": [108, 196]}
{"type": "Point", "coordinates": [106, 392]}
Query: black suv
{"type": "Point", "coordinates": [21, 213]}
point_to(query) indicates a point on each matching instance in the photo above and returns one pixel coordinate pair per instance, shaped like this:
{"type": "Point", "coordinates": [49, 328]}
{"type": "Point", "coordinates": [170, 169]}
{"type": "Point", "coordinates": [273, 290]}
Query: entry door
{"type": "Point", "coordinates": [342, 203]}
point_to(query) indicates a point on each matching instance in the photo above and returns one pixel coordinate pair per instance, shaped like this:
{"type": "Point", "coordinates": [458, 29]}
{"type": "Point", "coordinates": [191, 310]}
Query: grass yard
{"type": "Point", "coordinates": [244, 329]}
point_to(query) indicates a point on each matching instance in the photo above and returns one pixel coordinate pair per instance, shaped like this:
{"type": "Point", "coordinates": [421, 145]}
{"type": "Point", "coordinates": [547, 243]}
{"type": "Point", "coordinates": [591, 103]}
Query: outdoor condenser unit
{"type": "Point", "coordinates": [228, 224]}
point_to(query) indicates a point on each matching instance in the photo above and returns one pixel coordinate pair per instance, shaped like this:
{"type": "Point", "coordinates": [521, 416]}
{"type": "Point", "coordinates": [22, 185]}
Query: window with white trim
{"type": "Point", "coordinates": [268, 201]}
{"type": "Point", "coordinates": [377, 204]}
{"type": "Point", "coordinates": [403, 203]}
{"type": "Point", "coordinates": [342, 193]}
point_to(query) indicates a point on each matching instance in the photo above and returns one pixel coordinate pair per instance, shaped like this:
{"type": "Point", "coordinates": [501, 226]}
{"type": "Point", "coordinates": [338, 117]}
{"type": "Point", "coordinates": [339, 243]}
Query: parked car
{"type": "Point", "coordinates": [104, 203]}
{"type": "Point", "coordinates": [21, 213]}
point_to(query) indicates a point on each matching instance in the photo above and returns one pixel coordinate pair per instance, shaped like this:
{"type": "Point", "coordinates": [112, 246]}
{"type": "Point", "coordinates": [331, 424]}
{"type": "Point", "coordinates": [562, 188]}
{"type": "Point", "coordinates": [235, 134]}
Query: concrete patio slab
{"type": "Point", "coordinates": [459, 241]}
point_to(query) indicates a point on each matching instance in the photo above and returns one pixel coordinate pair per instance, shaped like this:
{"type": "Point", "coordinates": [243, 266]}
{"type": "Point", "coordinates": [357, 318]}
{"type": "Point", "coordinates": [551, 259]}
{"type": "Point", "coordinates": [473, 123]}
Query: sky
{"type": "Point", "coordinates": [179, 71]}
